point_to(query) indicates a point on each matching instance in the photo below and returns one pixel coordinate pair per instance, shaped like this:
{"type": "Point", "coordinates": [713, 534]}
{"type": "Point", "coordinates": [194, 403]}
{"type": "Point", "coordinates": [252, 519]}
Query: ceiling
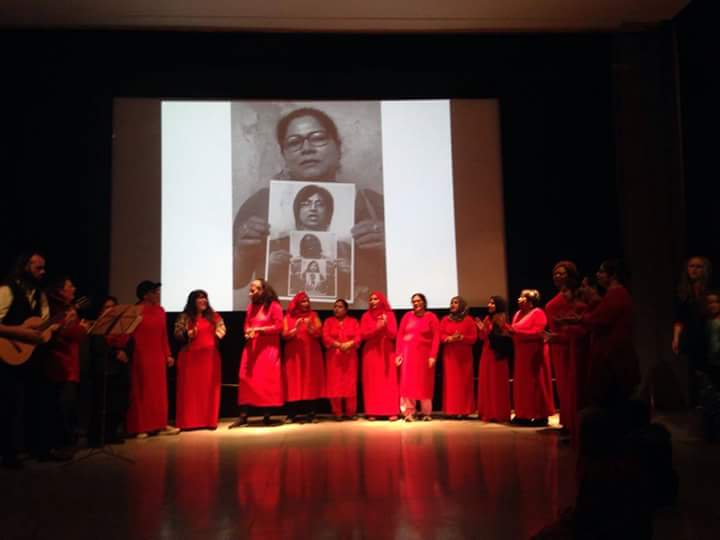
{"type": "Point", "coordinates": [340, 15]}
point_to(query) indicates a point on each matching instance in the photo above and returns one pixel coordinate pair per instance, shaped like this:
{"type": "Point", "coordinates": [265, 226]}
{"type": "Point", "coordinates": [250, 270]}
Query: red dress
{"type": "Point", "coordinates": [563, 357]}
{"type": "Point", "coordinates": [64, 359]}
{"type": "Point", "coordinates": [379, 373]}
{"type": "Point", "coordinates": [341, 367]}
{"type": "Point", "coordinates": [493, 391]}
{"type": "Point", "coordinates": [613, 370]}
{"type": "Point", "coordinates": [198, 384]}
{"type": "Point", "coordinates": [532, 389]}
{"type": "Point", "coordinates": [458, 391]}
{"type": "Point", "coordinates": [260, 377]}
{"type": "Point", "coordinates": [418, 339]}
{"type": "Point", "coordinates": [303, 366]}
{"type": "Point", "coordinates": [148, 409]}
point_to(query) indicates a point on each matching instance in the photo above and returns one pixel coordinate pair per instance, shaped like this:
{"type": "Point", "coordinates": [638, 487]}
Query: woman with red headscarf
{"type": "Point", "coordinates": [341, 337]}
{"type": "Point", "coordinates": [303, 366]}
{"type": "Point", "coordinates": [378, 327]}
{"type": "Point", "coordinates": [493, 391]}
{"type": "Point", "coordinates": [418, 341]}
{"type": "Point", "coordinates": [458, 334]}
{"type": "Point", "coordinates": [532, 389]}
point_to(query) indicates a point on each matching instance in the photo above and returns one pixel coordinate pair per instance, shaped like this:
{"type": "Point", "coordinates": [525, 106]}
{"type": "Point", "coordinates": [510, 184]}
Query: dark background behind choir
{"type": "Point", "coordinates": [595, 163]}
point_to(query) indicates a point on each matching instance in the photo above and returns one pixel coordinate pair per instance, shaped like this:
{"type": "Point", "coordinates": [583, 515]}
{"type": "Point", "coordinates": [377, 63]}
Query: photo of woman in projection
{"type": "Point", "coordinates": [324, 143]}
{"type": "Point", "coordinates": [314, 251]}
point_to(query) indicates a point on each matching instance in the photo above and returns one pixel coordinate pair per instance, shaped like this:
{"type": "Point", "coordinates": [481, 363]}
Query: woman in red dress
{"type": "Point", "coordinates": [63, 367]}
{"type": "Point", "coordinates": [493, 391]}
{"type": "Point", "coordinates": [562, 340]}
{"type": "Point", "coordinates": [199, 327]}
{"type": "Point", "coordinates": [341, 337]}
{"type": "Point", "coordinates": [303, 366]}
{"type": "Point", "coordinates": [418, 340]}
{"type": "Point", "coordinates": [458, 334]}
{"type": "Point", "coordinates": [532, 389]}
{"type": "Point", "coordinates": [260, 381]}
{"type": "Point", "coordinates": [378, 327]}
{"type": "Point", "coordinates": [148, 412]}
{"type": "Point", "coordinates": [614, 370]}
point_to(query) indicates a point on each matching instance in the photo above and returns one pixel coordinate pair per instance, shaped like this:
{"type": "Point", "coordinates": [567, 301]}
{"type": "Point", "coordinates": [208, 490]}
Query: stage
{"type": "Point", "coordinates": [374, 480]}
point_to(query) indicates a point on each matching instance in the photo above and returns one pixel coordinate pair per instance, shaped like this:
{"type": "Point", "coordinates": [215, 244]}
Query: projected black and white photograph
{"type": "Point", "coordinates": [308, 143]}
{"type": "Point", "coordinates": [317, 277]}
{"type": "Point", "coordinates": [310, 221]}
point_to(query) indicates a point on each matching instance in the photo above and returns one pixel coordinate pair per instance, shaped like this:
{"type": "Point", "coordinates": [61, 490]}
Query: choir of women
{"type": "Point", "coordinates": [587, 337]}
{"type": "Point", "coordinates": [199, 328]}
{"type": "Point", "coordinates": [418, 341]}
{"type": "Point", "coordinates": [458, 333]}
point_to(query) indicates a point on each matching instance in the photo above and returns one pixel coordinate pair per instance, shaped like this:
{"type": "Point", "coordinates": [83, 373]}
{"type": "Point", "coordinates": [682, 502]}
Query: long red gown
{"type": "Point", "coordinates": [532, 389]}
{"type": "Point", "coordinates": [198, 384]}
{"type": "Point", "coordinates": [563, 357]}
{"type": "Point", "coordinates": [493, 391]}
{"type": "Point", "coordinates": [458, 387]}
{"type": "Point", "coordinates": [303, 366]}
{"type": "Point", "coordinates": [148, 409]}
{"type": "Point", "coordinates": [64, 359]}
{"type": "Point", "coordinates": [418, 339]}
{"type": "Point", "coordinates": [341, 368]}
{"type": "Point", "coordinates": [260, 375]}
{"type": "Point", "coordinates": [379, 373]}
{"type": "Point", "coordinates": [614, 371]}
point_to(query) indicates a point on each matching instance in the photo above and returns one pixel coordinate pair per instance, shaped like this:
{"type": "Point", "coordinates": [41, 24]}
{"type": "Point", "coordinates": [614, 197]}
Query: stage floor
{"type": "Point", "coordinates": [365, 480]}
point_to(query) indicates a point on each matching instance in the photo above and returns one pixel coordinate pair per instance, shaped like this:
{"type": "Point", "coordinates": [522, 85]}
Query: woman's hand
{"type": "Point", "coordinates": [398, 360]}
{"type": "Point", "coordinates": [431, 361]}
{"type": "Point", "coordinates": [170, 361]}
{"type": "Point", "coordinates": [252, 233]}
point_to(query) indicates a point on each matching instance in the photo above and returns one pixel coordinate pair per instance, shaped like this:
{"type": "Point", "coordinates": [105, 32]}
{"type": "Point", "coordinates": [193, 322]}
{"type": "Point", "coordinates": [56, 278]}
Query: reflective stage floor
{"type": "Point", "coordinates": [354, 480]}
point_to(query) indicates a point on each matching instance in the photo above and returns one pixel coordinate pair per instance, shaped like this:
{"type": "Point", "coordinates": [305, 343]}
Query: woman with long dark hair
{"type": "Point", "coordinates": [341, 337]}
{"type": "Point", "coordinates": [199, 328]}
{"type": "Point", "coordinates": [260, 381]}
{"type": "Point", "coordinates": [493, 390]}
{"type": "Point", "coordinates": [303, 366]}
{"type": "Point", "coordinates": [418, 341]}
{"type": "Point", "coordinates": [532, 388]}
{"type": "Point", "coordinates": [378, 327]}
{"type": "Point", "coordinates": [458, 334]}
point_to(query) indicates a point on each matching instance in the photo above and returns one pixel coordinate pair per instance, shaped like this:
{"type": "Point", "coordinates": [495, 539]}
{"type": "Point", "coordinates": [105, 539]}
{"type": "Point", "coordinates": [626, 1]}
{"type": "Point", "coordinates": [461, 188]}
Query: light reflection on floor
{"type": "Point", "coordinates": [374, 480]}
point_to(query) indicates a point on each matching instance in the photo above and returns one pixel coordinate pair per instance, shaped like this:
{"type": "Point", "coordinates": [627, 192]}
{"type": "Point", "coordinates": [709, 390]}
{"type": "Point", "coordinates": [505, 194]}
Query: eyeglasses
{"type": "Point", "coordinates": [317, 204]}
{"type": "Point", "coordinates": [317, 139]}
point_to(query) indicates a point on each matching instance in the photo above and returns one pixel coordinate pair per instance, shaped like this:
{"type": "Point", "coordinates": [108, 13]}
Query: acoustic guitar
{"type": "Point", "coordinates": [15, 351]}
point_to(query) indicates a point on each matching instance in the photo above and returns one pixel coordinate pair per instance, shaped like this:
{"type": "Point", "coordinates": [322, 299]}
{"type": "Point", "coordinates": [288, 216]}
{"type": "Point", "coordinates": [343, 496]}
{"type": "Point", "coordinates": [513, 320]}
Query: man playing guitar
{"type": "Point", "coordinates": [21, 297]}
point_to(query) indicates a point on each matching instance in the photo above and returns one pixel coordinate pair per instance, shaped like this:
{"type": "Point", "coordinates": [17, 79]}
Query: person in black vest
{"type": "Point", "coordinates": [21, 297]}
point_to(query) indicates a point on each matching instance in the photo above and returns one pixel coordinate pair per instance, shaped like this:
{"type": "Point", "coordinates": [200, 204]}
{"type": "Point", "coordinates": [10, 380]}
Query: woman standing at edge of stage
{"type": "Point", "coordinates": [148, 411]}
{"type": "Point", "coordinates": [341, 337]}
{"type": "Point", "coordinates": [561, 341]}
{"type": "Point", "coordinates": [458, 334]}
{"type": "Point", "coordinates": [532, 390]}
{"type": "Point", "coordinates": [303, 366]}
{"type": "Point", "coordinates": [418, 341]}
{"type": "Point", "coordinates": [199, 328]}
{"type": "Point", "coordinates": [378, 327]}
{"type": "Point", "coordinates": [493, 391]}
{"type": "Point", "coordinates": [614, 370]}
{"type": "Point", "coordinates": [260, 381]}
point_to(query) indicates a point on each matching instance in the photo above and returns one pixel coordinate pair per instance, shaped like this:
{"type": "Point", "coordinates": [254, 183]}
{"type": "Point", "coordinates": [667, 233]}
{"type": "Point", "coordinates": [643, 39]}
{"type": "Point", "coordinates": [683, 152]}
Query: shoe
{"type": "Point", "coordinates": [354, 418]}
{"type": "Point", "coordinates": [169, 430]}
{"type": "Point", "coordinates": [539, 422]}
{"type": "Point", "coordinates": [393, 418]}
{"type": "Point", "coordinates": [62, 454]}
{"type": "Point", "coordinates": [240, 422]}
{"type": "Point", "coordinates": [142, 435]}
{"type": "Point", "coordinates": [370, 418]}
{"type": "Point", "coordinates": [520, 422]}
{"type": "Point", "coordinates": [409, 418]}
{"type": "Point", "coordinates": [314, 420]}
{"type": "Point", "coordinates": [266, 420]}
{"type": "Point", "coordinates": [338, 418]}
{"type": "Point", "coordinates": [427, 418]}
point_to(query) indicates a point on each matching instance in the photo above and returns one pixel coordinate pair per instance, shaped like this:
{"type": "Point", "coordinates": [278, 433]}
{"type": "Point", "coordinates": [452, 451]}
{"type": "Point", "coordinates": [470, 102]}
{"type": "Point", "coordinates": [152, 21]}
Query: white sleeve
{"type": "Point", "coordinates": [6, 299]}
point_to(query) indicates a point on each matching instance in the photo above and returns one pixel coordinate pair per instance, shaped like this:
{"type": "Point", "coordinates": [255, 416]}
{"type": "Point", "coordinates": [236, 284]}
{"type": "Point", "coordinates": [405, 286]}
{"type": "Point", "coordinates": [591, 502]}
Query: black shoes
{"type": "Point", "coordinates": [240, 422]}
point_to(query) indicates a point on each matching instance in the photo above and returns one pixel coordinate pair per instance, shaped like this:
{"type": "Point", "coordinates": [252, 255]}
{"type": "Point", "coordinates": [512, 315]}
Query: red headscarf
{"type": "Point", "coordinates": [294, 309]}
{"type": "Point", "coordinates": [382, 307]}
